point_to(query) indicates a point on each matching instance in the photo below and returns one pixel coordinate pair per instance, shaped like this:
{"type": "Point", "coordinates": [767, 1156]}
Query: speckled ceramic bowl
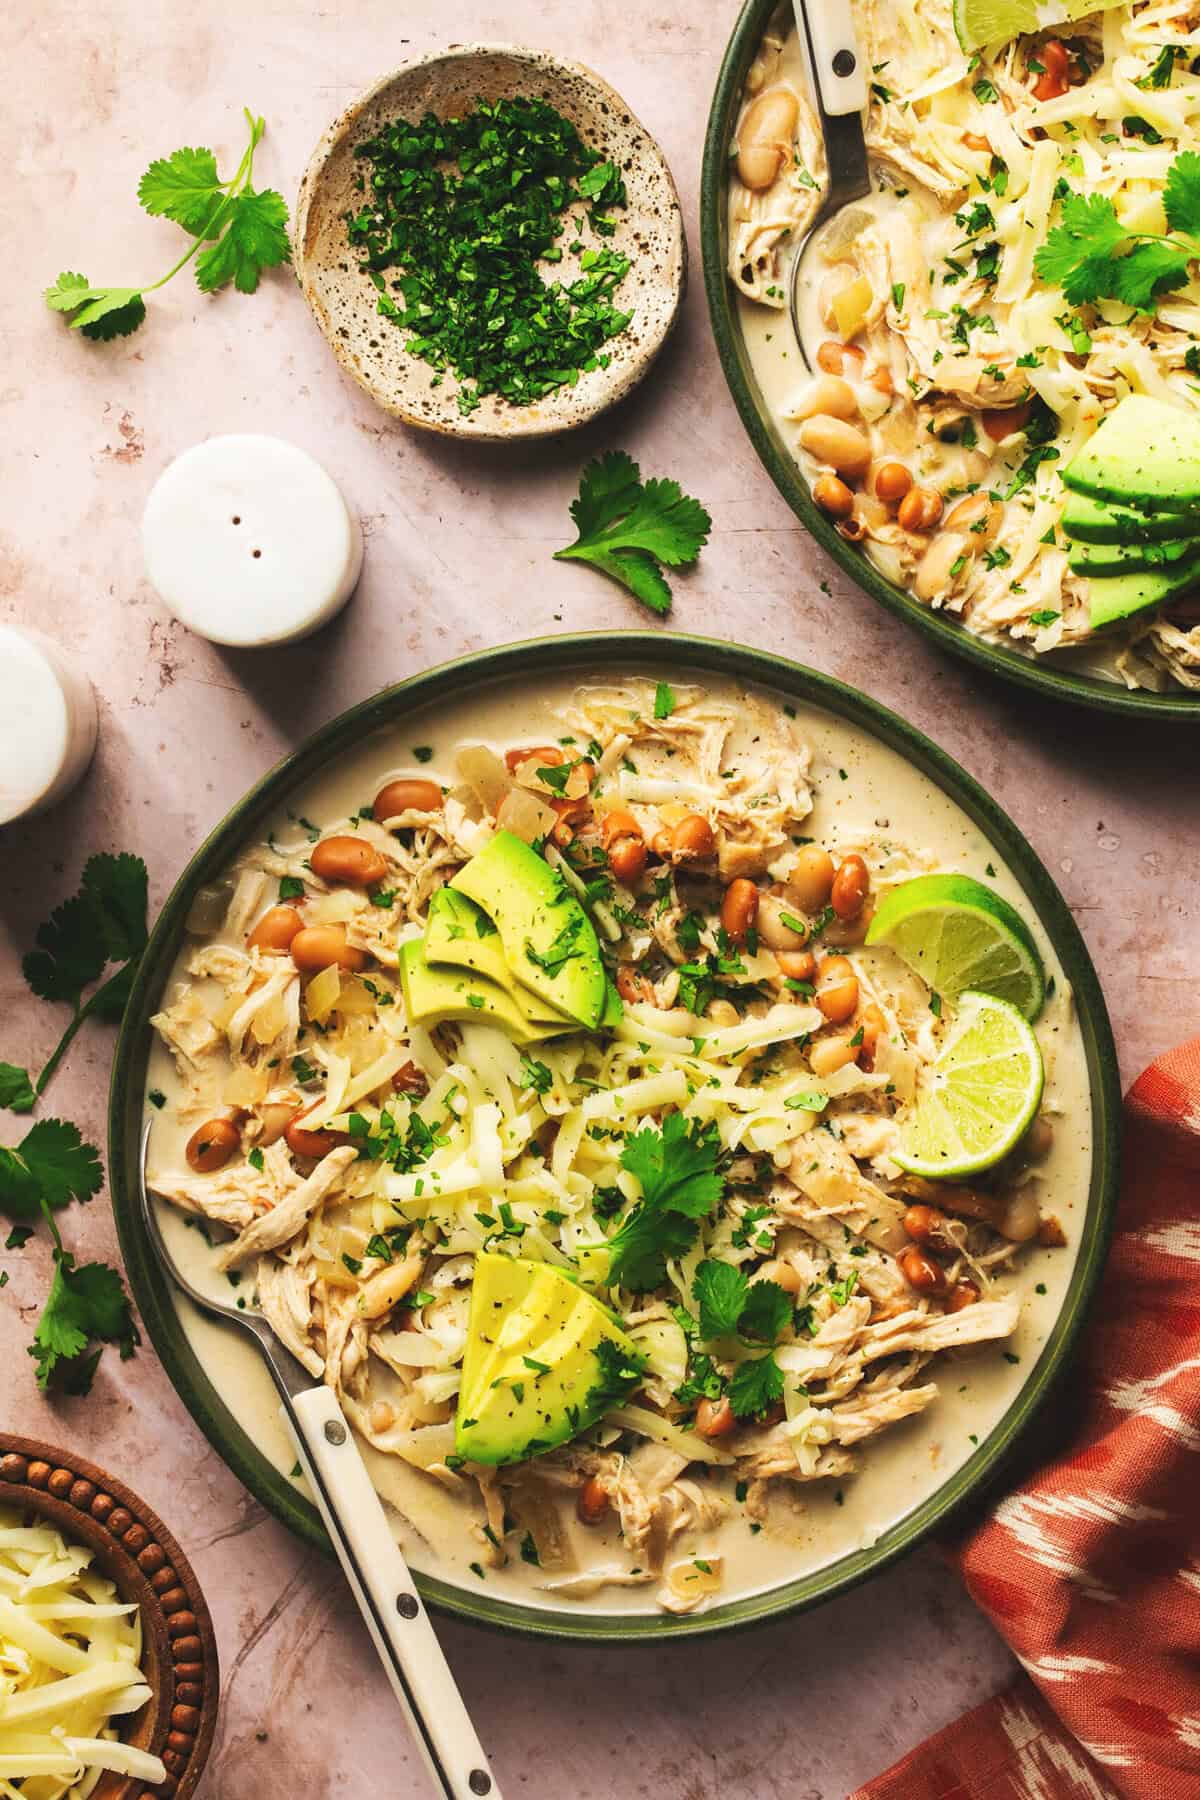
{"type": "Point", "coordinates": [134, 1549]}
{"type": "Point", "coordinates": [344, 301]}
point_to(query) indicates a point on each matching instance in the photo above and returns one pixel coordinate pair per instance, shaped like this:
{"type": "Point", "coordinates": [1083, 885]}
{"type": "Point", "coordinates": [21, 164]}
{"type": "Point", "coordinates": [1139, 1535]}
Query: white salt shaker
{"type": "Point", "coordinates": [47, 723]}
{"type": "Point", "coordinates": [249, 542]}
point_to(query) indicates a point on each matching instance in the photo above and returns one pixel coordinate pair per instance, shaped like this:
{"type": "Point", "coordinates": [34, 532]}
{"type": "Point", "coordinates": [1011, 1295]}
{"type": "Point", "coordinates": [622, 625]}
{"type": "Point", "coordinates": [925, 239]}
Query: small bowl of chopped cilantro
{"type": "Point", "coordinates": [492, 243]}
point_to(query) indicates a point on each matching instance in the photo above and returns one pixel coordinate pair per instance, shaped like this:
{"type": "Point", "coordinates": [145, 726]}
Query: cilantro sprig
{"type": "Point", "coordinates": [730, 1303]}
{"type": "Point", "coordinates": [49, 1168]}
{"type": "Point", "coordinates": [1092, 256]}
{"type": "Point", "coordinates": [103, 924]}
{"type": "Point", "coordinates": [677, 1169]}
{"type": "Point", "coordinates": [236, 231]}
{"type": "Point", "coordinates": [627, 528]}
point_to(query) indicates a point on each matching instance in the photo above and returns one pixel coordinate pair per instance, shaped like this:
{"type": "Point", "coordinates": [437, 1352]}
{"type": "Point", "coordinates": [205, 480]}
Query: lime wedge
{"type": "Point", "coordinates": [985, 1088]}
{"type": "Point", "coordinates": [980, 22]}
{"type": "Point", "coordinates": [957, 934]}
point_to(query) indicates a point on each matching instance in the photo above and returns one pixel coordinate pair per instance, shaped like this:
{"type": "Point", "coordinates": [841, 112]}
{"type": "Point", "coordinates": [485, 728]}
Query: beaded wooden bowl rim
{"type": "Point", "coordinates": [135, 1550]}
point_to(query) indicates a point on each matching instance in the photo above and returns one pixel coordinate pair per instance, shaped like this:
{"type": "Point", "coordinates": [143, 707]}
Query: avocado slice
{"type": "Point", "coordinates": [1113, 597]}
{"type": "Point", "coordinates": [549, 942]}
{"type": "Point", "coordinates": [460, 933]}
{"type": "Point", "coordinates": [1096, 522]}
{"type": "Point", "coordinates": [543, 1361]}
{"type": "Point", "coordinates": [1126, 559]}
{"type": "Point", "coordinates": [1143, 452]}
{"type": "Point", "coordinates": [440, 994]}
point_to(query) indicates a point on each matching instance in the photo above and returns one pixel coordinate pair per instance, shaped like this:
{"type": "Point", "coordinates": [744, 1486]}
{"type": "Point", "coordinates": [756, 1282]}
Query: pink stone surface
{"type": "Point", "coordinates": [457, 559]}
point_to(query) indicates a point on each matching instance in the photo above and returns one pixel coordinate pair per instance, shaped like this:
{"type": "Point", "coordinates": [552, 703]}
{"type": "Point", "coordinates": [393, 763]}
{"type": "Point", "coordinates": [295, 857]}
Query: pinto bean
{"type": "Point", "coordinates": [348, 861]}
{"type": "Point", "coordinates": [851, 884]}
{"type": "Point", "coordinates": [408, 795]}
{"type": "Point", "coordinates": [312, 1143]}
{"type": "Point", "coordinates": [714, 1419]}
{"type": "Point", "coordinates": [1001, 421]}
{"type": "Point", "coordinates": [318, 946]}
{"type": "Point", "coordinates": [739, 909]}
{"type": "Point", "coordinates": [210, 1147]}
{"type": "Point", "coordinates": [634, 987]}
{"type": "Point", "coordinates": [627, 859]}
{"type": "Point", "coordinates": [920, 509]}
{"type": "Point", "coordinates": [275, 930]}
{"type": "Point", "coordinates": [692, 839]}
{"type": "Point", "coordinates": [892, 481]}
{"type": "Point", "coordinates": [963, 1293]}
{"type": "Point", "coordinates": [408, 1079]}
{"type": "Point", "coordinates": [921, 1271]}
{"type": "Point", "coordinates": [1056, 70]}
{"type": "Point", "coordinates": [837, 990]}
{"type": "Point", "coordinates": [833, 496]}
{"type": "Point", "coordinates": [591, 1502]}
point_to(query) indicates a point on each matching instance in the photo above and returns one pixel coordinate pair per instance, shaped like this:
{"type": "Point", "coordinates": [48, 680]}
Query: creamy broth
{"type": "Point", "coordinates": [857, 783]}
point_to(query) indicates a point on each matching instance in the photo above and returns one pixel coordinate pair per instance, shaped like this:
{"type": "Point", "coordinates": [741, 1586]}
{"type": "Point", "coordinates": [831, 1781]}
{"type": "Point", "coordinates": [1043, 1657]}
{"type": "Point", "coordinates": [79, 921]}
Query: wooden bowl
{"type": "Point", "coordinates": [344, 301]}
{"type": "Point", "coordinates": [135, 1550]}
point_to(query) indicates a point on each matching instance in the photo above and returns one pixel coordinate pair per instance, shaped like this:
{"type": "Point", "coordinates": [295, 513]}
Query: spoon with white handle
{"type": "Point", "coordinates": [840, 89]}
{"type": "Point", "coordinates": [370, 1557]}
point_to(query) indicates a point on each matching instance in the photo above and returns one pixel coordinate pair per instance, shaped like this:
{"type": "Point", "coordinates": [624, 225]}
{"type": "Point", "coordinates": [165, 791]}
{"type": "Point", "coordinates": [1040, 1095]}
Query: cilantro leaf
{"type": "Point", "coordinates": [677, 1171]}
{"type": "Point", "coordinates": [115, 320]}
{"type": "Point", "coordinates": [639, 1250]}
{"type": "Point", "coordinates": [245, 230]}
{"type": "Point", "coordinates": [665, 701]}
{"type": "Point", "coordinates": [184, 187]}
{"type": "Point", "coordinates": [70, 951]}
{"type": "Point", "coordinates": [1148, 271]}
{"type": "Point", "coordinates": [254, 239]}
{"type": "Point", "coordinates": [51, 1161]}
{"type": "Point", "coordinates": [617, 1376]}
{"type": "Point", "coordinates": [68, 292]}
{"type": "Point", "coordinates": [1088, 234]}
{"type": "Point", "coordinates": [767, 1312]}
{"type": "Point", "coordinates": [16, 1089]}
{"type": "Point", "coordinates": [83, 1303]}
{"type": "Point", "coordinates": [756, 1385]}
{"type": "Point", "coordinates": [720, 1289]}
{"type": "Point", "coordinates": [626, 529]}
{"type": "Point", "coordinates": [104, 922]}
{"type": "Point", "coordinates": [676, 1166]}
{"type": "Point", "coordinates": [1181, 194]}
{"type": "Point", "coordinates": [1092, 256]}
{"type": "Point", "coordinates": [608, 488]}
{"type": "Point", "coordinates": [116, 886]}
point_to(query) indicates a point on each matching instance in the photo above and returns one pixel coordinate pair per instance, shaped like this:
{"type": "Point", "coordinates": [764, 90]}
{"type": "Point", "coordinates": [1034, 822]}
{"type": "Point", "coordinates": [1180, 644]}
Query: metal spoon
{"type": "Point", "coordinates": [368, 1552]}
{"type": "Point", "coordinates": [840, 89]}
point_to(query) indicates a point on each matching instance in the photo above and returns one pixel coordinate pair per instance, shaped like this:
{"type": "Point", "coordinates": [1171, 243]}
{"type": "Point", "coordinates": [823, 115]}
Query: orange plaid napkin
{"type": "Point", "coordinates": [1091, 1567]}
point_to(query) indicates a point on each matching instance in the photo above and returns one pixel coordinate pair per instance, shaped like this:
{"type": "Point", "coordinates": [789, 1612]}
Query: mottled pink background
{"type": "Point", "coordinates": [457, 558]}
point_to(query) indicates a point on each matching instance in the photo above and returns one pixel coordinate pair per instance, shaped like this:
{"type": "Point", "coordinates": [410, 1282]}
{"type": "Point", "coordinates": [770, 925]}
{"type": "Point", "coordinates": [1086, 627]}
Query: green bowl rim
{"type": "Point", "coordinates": [1010, 665]}
{"type": "Point", "coordinates": [588, 652]}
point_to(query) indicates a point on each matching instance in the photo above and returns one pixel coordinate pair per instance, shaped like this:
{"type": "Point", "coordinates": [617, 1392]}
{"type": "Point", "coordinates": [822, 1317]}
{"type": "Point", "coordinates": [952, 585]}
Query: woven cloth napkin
{"type": "Point", "coordinates": [1090, 1567]}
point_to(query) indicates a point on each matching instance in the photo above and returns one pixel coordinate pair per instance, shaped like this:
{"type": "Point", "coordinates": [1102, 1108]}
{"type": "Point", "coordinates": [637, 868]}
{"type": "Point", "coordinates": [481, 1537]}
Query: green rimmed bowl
{"type": "Point", "coordinates": [1041, 675]}
{"type": "Point", "coordinates": [590, 655]}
